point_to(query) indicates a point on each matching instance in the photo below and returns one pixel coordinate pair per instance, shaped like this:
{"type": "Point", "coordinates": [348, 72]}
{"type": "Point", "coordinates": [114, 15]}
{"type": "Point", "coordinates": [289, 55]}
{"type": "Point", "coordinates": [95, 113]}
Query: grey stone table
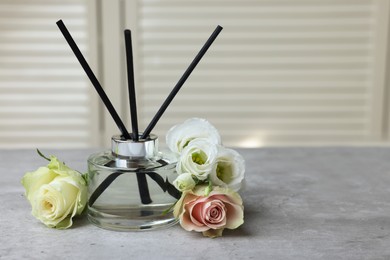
{"type": "Point", "coordinates": [300, 203]}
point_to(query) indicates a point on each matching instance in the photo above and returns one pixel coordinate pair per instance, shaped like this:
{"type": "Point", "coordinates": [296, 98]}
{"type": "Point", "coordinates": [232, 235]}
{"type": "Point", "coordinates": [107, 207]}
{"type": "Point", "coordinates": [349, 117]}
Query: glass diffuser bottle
{"type": "Point", "coordinates": [130, 186]}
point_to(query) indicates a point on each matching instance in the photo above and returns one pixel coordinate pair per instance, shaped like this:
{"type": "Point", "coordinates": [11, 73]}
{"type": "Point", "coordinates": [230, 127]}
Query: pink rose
{"type": "Point", "coordinates": [211, 214]}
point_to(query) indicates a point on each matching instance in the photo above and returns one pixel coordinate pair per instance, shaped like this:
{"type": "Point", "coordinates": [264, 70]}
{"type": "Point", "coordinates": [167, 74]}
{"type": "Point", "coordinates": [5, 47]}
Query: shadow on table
{"type": "Point", "coordinates": [80, 221]}
{"type": "Point", "coordinates": [252, 223]}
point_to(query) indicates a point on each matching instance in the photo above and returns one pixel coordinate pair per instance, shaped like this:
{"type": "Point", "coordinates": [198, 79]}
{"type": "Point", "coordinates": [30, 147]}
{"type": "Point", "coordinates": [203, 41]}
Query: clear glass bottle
{"type": "Point", "coordinates": [130, 187]}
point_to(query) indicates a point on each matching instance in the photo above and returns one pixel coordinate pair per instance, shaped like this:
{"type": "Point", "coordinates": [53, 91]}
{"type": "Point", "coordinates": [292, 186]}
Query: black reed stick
{"type": "Point", "coordinates": [164, 185]}
{"type": "Point", "coordinates": [180, 83]}
{"type": "Point", "coordinates": [93, 79]}
{"type": "Point", "coordinates": [131, 84]}
{"type": "Point", "coordinates": [141, 177]}
{"type": "Point", "coordinates": [143, 188]}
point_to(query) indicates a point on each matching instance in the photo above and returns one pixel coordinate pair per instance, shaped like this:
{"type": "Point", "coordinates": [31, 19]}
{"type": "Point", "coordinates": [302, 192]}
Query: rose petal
{"type": "Point", "coordinates": [235, 216]}
{"type": "Point", "coordinates": [189, 223]}
{"type": "Point", "coordinates": [217, 221]}
{"type": "Point", "coordinates": [32, 181]}
{"type": "Point", "coordinates": [196, 213]}
{"type": "Point", "coordinates": [210, 214]}
{"type": "Point", "coordinates": [234, 210]}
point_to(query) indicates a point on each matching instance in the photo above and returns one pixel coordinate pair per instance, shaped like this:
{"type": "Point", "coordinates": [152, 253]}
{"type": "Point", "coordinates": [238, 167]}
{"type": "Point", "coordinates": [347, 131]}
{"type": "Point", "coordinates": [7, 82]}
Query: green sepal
{"type": "Point", "coordinates": [209, 187]}
{"type": "Point", "coordinates": [42, 155]}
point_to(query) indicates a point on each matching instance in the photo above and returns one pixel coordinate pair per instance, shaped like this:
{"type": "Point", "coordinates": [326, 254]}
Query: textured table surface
{"type": "Point", "coordinates": [300, 203]}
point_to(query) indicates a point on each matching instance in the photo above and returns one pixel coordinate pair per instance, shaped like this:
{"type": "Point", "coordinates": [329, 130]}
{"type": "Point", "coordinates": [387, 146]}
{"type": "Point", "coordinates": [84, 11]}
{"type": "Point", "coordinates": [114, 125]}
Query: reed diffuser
{"type": "Point", "coordinates": [130, 186]}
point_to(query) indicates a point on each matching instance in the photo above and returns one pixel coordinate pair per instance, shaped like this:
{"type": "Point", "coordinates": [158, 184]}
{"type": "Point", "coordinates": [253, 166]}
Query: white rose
{"type": "Point", "coordinates": [179, 136]}
{"type": "Point", "coordinates": [184, 182]}
{"type": "Point", "coordinates": [229, 169]}
{"type": "Point", "coordinates": [198, 158]}
{"type": "Point", "coordinates": [56, 193]}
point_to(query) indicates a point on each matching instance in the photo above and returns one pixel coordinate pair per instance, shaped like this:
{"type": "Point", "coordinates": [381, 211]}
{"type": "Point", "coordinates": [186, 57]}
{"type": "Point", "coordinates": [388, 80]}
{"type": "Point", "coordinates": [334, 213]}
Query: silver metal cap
{"type": "Point", "coordinates": [145, 148]}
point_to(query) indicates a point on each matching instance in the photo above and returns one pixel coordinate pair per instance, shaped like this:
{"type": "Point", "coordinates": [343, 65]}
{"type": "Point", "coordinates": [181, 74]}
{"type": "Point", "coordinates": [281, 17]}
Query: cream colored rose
{"type": "Point", "coordinates": [56, 193]}
{"type": "Point", "coordinates": [211, 214]}
{"type": "Point", "coordinates": [229, 169]}
{"type": "Point", "coordinates": [179, 136]}
{"type": "Point", "coordinates": [197, 158]}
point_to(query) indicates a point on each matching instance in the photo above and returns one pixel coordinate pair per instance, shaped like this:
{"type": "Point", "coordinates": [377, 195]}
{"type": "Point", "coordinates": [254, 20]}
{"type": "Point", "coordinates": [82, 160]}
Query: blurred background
{"type": "Point", "coordinates": [281, 73]}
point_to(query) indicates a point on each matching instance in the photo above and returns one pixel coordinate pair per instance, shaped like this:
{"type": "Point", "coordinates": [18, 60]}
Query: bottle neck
{"type": "Point", "coordinates": [127, 148]}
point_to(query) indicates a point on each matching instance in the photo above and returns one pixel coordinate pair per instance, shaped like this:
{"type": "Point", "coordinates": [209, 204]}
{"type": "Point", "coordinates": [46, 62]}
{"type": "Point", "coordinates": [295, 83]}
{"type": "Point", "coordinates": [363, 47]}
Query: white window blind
{"type": "Point", "coordinates": [45, 99]}
{"type": "Point", "coordinates": [281, 72]}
